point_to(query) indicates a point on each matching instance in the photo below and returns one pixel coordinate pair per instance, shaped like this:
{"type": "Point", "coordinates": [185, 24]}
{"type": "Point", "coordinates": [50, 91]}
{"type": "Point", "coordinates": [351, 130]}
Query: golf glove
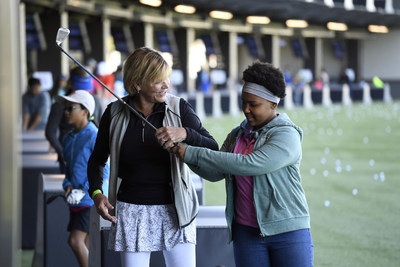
{"type": "Point", "coordinates": [75, 196]}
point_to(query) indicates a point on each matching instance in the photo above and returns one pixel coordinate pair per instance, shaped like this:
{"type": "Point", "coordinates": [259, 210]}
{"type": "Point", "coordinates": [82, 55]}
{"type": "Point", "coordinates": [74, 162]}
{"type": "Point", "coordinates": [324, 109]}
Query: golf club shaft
{"type": "Point", "coordinates": [108, 89]}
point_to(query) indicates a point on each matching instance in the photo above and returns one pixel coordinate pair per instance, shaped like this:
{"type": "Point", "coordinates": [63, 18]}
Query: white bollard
{"type": "Point", "coordinates": [184, 96]}
{"type": "Point", "coordinates": [233, 102]}
{"type": "Point", "coordinates": [387, 96]}
{"type": "Point", "coordinates": [200, 105]}
{"type": "Point", "coordinates": [288, 104]}
{"type": "Point", "coordinates": [216, 104]}
{"type": "Point", "coordinates": [307, 100]}
{"type": "Point", "coordinates": [367, 100]}
{"type": "Point", "coordinates": [326, 96]}
{"type": "Point", "coordinates": [346, 99]}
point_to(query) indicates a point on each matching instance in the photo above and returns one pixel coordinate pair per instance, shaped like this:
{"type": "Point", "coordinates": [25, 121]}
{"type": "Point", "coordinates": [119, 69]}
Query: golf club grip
{"type": "Point", "coordinates": [108, 89]}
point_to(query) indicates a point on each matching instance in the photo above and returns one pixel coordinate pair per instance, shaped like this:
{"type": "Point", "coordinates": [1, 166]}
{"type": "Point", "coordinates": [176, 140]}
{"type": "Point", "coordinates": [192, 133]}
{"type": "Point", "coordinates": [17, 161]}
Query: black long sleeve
{"type": "Point", "coordinates": [197, 135]}
{"type": "Point", "coordinates": [100, 154]}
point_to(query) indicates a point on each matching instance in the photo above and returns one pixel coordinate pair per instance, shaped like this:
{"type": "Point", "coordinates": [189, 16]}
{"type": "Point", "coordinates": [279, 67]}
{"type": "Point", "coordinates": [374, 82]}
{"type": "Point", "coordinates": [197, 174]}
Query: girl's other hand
{"type": "Point", "coordinates": [179, 150]}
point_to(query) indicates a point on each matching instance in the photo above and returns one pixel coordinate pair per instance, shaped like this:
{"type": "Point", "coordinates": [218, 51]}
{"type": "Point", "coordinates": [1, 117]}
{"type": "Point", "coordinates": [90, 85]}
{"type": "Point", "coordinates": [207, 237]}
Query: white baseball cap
{"type": "Point", "coordinates": [81, 97]}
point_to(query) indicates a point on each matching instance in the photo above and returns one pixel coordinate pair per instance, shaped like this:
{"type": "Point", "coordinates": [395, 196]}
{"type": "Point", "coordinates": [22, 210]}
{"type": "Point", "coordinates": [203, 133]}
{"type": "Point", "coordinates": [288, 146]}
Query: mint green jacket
{"type": "Point", "coordinates": [279, 198]}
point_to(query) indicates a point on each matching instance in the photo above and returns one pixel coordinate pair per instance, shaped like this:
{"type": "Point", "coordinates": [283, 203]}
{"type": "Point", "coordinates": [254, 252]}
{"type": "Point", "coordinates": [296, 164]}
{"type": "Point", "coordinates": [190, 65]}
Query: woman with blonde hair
{"type": "Point", "coordinates": [154, 198]}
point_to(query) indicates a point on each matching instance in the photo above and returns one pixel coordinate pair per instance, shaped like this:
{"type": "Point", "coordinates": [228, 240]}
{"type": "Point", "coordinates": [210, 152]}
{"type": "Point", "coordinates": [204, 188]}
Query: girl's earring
{"type": "Point", "coordinates": [138, 90]}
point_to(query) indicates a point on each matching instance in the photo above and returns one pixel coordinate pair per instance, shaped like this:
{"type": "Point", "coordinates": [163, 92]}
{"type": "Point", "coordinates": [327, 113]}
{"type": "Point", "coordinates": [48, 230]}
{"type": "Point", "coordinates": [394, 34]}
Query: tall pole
{"type": "Point", "coordinates": [10, 159]}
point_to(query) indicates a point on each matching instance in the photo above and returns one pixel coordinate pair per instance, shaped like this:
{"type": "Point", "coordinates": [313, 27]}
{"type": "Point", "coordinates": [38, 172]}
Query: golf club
{"type": "Point", "coordinates": [62, 34]}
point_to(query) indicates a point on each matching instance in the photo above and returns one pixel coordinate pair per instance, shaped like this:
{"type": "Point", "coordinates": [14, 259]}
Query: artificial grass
{"type": "Point", "coordinates": [350, 161]}
{"type": "Point", "coordinates": [350, 176]}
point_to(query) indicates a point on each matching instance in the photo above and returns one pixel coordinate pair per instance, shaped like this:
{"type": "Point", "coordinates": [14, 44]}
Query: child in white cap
{"type": "Point", "coordinates": [78, 145]}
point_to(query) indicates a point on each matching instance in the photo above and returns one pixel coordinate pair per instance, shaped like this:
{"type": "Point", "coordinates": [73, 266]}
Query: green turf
{"type": "Point", "coordinates": [357, 148]}
{"type": "Point", "coordinates": [350, 176]}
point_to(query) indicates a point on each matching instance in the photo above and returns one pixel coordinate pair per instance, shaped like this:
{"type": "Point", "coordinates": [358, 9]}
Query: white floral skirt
{"type": "Point", "coordinates": [148, 228]}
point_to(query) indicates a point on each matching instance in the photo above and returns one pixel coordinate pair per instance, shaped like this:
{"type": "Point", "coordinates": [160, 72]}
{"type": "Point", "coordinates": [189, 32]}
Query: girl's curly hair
{"type": "Point", "coordinates": [267, 75]}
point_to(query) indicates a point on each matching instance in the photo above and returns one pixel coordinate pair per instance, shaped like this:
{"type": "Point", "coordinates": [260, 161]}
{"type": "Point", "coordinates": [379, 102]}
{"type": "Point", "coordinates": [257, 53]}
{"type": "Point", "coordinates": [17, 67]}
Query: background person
{"type": "Point", "coordinates": [156, 202]}
{"type": "Point", "coordinates": [298, 88]}
{"type": "Point", "coordinates": [266, 210]}
{"type": "Point", "coordinates": [35, 107]}
{"type": "Point", "coordinates": [57, 125]}
{"type": "Point", "coordinates": [78, 145]}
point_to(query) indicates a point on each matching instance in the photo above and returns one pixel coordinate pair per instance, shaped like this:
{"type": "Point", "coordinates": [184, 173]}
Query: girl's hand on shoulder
{"type": "Point", "coordinates": [179, 150]}
{"type": "Point", "coordinates": [103, 206]}
{"type": "Point", "coordinates": [168, 136]}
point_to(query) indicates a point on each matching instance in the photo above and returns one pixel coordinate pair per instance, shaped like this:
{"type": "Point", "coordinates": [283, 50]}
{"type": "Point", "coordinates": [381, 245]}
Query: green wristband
{"type": "Point", "coordinates": [95, 192]}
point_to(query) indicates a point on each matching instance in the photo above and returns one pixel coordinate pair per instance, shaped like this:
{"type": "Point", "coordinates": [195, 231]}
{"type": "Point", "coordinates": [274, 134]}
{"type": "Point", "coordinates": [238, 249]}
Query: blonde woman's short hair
{"type": "Point", "coordinates": [142, 66]}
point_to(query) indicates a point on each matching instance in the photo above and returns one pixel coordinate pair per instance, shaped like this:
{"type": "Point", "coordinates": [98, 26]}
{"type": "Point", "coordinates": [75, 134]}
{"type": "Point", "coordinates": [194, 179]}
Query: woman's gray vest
{"type": "Point", "coordinates": [185, 197]}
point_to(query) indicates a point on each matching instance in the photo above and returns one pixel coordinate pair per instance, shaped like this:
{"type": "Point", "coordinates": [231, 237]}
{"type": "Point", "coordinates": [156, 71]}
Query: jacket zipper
{"type": "Point", "coordinates": [143, 124]}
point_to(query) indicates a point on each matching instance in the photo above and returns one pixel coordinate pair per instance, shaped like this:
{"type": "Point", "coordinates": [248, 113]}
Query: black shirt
{"type": "Point", "coordinates": [144, 165]}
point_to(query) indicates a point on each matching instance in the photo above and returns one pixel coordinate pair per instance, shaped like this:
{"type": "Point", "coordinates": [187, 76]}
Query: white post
{"type": "Point", "coordinates": [106, 38]}
{"type": "Point", "coordinates": [276, 51]}
{"type": "Point", "coordinates": [348, 4]}
{"type": "Point", "coordinates": [387, 97]}
{"type": "Point", "coordinates": [346, 99]}
{"type": "Point", "coordinates": [148, 35]}
{"type": "Point", "coordinates": [288, 104]}
{"type": "Point", "coordinates": [233, 102]}
{"type": "Point", "coordinates": [389, 6]}
{"type": "Point", "coordinates": [307, 100]}
{"type": "Point", "coordinates": [200, 105]}
{"type": "Point", "coordinates": [216, 106]}
{"type": "Point", "coordinates": [370, 5]}
{"type": "Point", "coordinates": [326, 96]}
{"type": "Point", "coordinates": [10, 134]}
{"type": "Point", "coordinates": [367, 100]}
{"type": "Point", "coordinates": [233, 57]}
{"type": "Point", "coordinates": [191, 82]}
{"type": "Point", "coordinates": [319, 56]}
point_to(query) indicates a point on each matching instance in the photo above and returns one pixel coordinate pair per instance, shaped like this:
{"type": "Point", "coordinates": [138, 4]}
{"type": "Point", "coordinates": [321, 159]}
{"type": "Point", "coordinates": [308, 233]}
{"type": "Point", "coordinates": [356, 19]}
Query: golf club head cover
{"type": "Point", "coordinates": [75, 196]}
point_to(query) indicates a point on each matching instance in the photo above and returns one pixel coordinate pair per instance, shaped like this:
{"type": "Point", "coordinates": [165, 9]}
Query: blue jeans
{"type": "Point", "coordinates": [290, 249]}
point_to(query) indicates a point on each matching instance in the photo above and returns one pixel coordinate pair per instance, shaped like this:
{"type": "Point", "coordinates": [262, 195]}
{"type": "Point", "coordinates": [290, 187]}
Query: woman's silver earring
{"type": "Point", "coordinates": [138, 90]}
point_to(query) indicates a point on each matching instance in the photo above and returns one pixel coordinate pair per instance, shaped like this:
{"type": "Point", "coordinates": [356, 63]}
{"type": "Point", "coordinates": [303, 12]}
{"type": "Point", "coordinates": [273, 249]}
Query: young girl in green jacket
{"type": "Point", "coordinates": [266, 210]}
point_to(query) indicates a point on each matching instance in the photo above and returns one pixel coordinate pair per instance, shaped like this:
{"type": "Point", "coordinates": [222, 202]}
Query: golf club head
{"type": "Point", "coordinates": [62, 34]}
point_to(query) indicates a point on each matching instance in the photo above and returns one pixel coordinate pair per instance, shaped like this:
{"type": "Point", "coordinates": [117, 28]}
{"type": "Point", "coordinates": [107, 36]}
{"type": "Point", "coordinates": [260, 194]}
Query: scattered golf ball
{"type": "Point", "coordinates": [348, 167]}
{"type": "Point", "coordinates": [355, 191]}
{"type": "Point", "coordinates": [338, 169]}
{"type": "Point", "coordinates": [327, 203]}
{"type": "Point", "coordinates": [382, 176]}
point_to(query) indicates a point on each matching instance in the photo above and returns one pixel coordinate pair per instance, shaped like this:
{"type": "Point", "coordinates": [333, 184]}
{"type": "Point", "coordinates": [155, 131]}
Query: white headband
{"type": "Point", "coordinates": [260, 91]}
